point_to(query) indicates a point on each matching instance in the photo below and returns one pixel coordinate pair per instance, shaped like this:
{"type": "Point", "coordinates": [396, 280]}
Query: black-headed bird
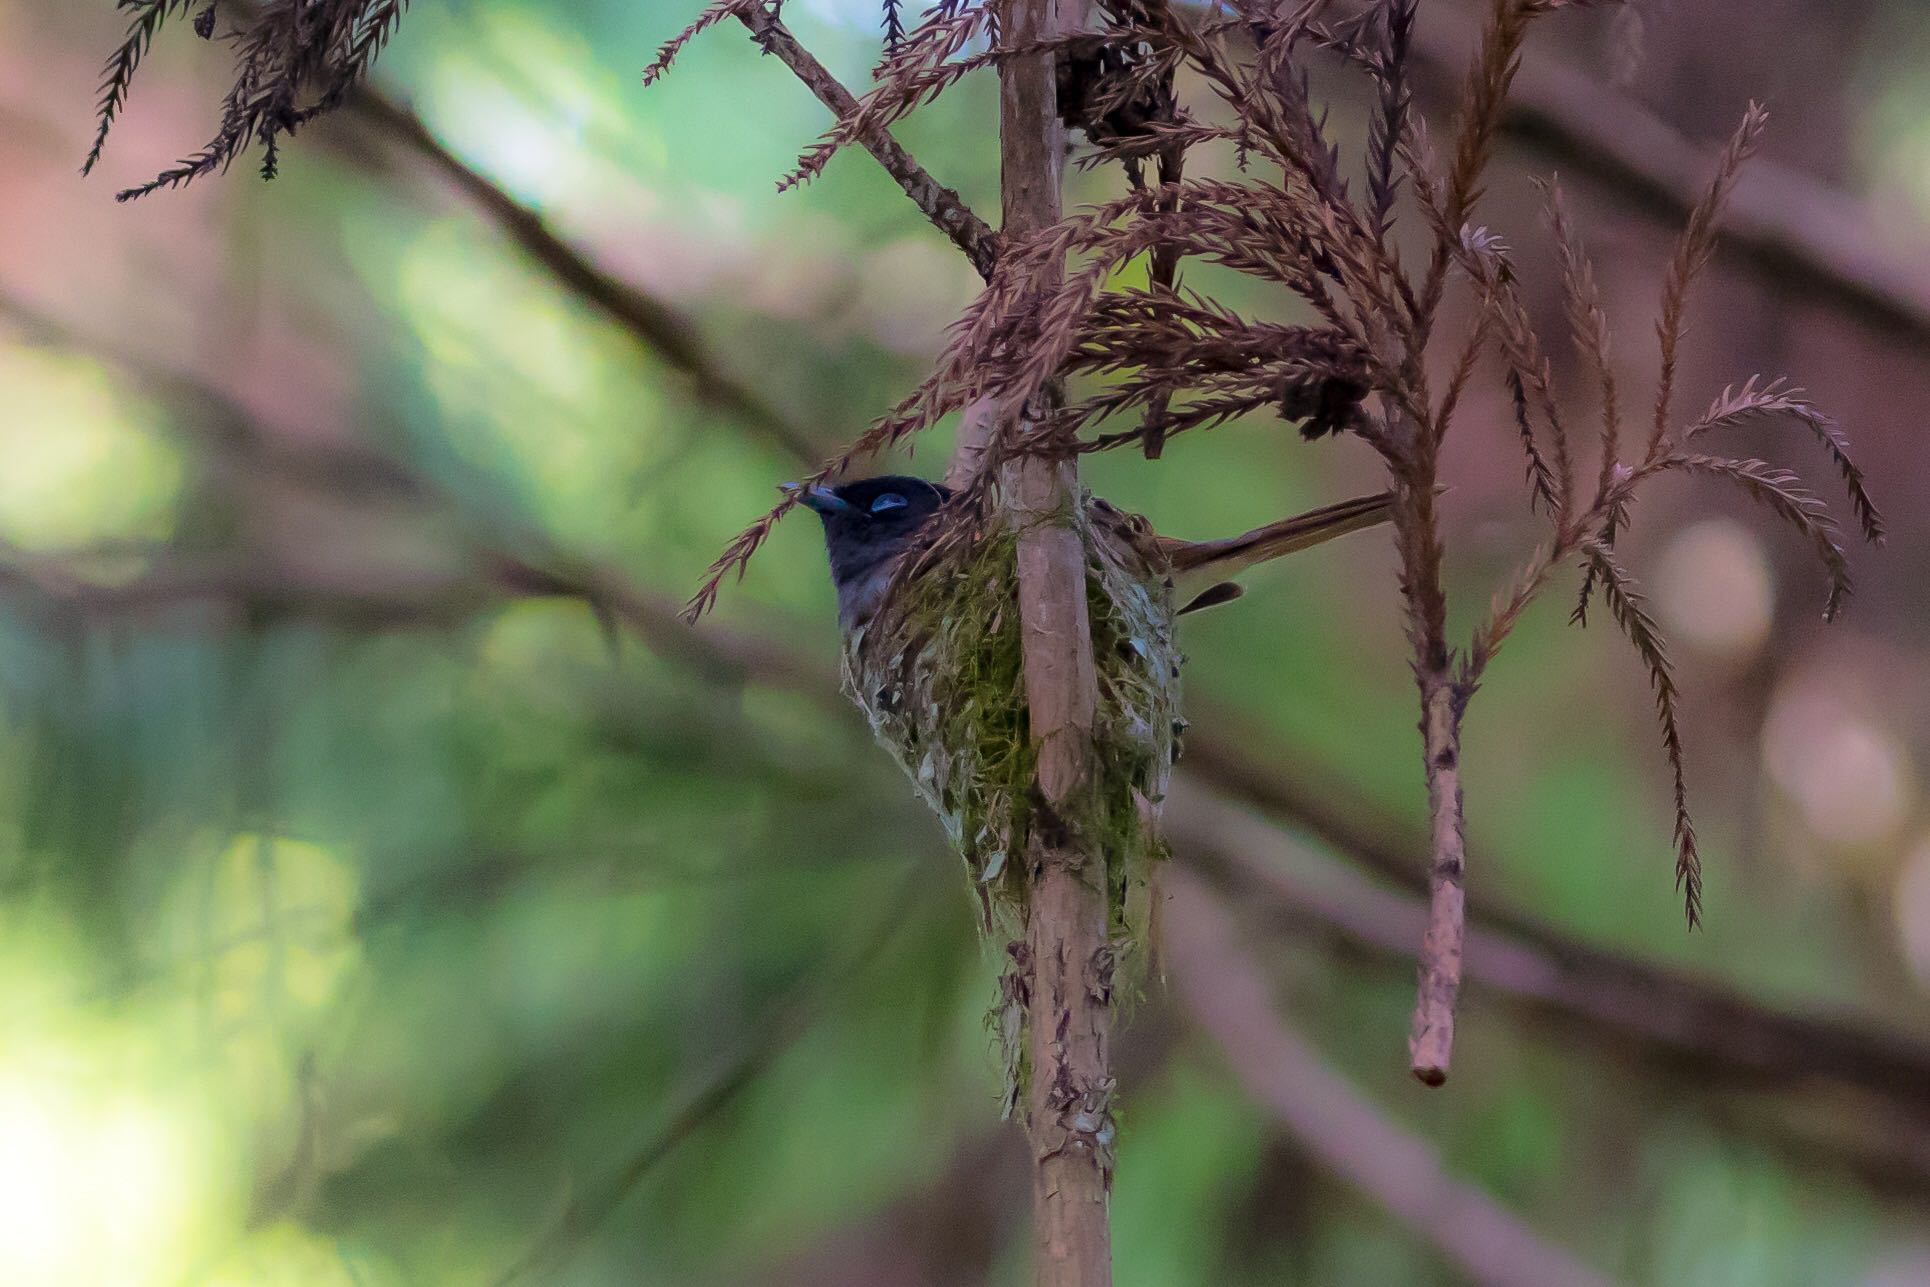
{"type": "Point", "coordinates": [870, 523]}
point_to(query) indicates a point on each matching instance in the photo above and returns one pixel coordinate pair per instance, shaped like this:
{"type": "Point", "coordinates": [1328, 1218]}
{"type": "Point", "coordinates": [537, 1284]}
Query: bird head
{"type": "Point", "coordinates": [867, 523]}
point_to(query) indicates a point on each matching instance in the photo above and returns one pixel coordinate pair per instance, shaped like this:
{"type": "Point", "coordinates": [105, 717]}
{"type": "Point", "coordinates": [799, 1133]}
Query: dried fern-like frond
{"type": "Point", "coordinates": [117, 80]}
{"type": "Point", "coordinates": [1631, 613]}
{"type": "Point", "coordinates": [1504, 612]}
{"type": "Point", "coordinates": [1485, 258]}
{"type": "Point", "coordinates": [1692, 254]}
{"type": "Point", "coordinates": [1488, 83]}
{"type": "Point", "coordinates": [1612, 525]}
{"type": "Point", "coordinates": [737, 556]}
{"type": "Point", "coordinates": [1460, 374]}
{"type": "Point", "coordinates": [1311, 375]}
{"type": "Point", "coordinates": [719, 11]}
{"type": "Point", "coordinates": [921, 66]}
{"type": "Point", "coordinates": [1543, 484]}
{"type": "Point", "coordinates": [1784, 494]}
{"type": "Point", "coordinates": [297, 60]}
{"type": "Point", "coordinates": [1388, 128]}
{"type": "Point", "coordinates": [1734, 406]}
{"type": "Point", "coordinates": [1588, 329]}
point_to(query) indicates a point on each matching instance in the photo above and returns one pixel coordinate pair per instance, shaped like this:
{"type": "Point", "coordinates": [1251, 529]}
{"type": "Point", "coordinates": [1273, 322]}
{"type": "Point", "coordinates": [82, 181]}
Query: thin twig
{"type": "Point", "coordinates": [944, 207]}
{"type": "Point", "coordinates": [1430, 1043]}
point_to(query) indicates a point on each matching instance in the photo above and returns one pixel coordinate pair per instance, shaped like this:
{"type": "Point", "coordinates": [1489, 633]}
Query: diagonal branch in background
{"type": "Point", "coordinates": [1224, 993]}
{"type": "Point", "coordinates": [1661, 1016]}
{"type": "Point", "coordinates": [1797, 232]}
{"type": "Point", "coordinates": [793, 1016]}
{"type": "Point", "coordinates": [947, 211]}
{"type": "Point", "coordinates": [1721, 1028]}
{"type": "Point", "coordinates": [1787, 225]}
{"type": "Point", "coordinates": [1241, 762]}
{"type": "Point", "coordinates": [655, 325]}
{"type": "Point", "coordinates": [1677, 1018]}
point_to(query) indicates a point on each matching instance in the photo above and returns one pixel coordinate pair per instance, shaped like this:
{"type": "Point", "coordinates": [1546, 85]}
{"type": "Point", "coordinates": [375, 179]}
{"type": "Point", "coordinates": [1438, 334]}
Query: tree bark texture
{"type": "Point", "coordinates": [1431, 1042]}
{"type": "Point", "coordinates": [1067, 950]}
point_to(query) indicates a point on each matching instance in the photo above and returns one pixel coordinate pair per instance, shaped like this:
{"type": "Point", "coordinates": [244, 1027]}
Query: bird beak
{"type": "Point", "coordinates": [822, 499]}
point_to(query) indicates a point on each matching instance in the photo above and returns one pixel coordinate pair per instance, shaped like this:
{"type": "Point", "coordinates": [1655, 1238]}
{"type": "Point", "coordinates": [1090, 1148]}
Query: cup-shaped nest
{"type": "Point", "coordinates": [940, 673]}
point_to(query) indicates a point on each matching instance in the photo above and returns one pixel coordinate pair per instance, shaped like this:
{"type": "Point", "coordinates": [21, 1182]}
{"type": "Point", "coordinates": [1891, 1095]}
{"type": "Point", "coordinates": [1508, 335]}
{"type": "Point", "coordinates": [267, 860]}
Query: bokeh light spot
{"type": "Point", "coordinates": [98, 1183]}
{"type": "Point", "coordinates": [84, 463]}
{"type": "Point", "coordinates": [1911, 908]}
{"type": "Point", "coordinates": [274, 924]}
{"type": "Point", "coordinates": [1851, 778]}
{"type": "Point", "coordinates": [1715, 590]}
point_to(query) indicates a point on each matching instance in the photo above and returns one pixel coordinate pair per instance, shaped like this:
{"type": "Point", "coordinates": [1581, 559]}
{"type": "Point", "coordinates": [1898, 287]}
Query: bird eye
{"type": "Point", "coordinates": [887, 502]}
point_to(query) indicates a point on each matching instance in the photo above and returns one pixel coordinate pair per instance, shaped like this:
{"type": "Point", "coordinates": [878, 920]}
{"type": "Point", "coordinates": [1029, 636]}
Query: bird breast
{"type": "Point", "coordinates": [862, 591]}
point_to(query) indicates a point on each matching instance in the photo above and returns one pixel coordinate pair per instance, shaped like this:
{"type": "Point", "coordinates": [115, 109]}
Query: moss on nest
{"type": "Point", "coordinates": [939, 671]}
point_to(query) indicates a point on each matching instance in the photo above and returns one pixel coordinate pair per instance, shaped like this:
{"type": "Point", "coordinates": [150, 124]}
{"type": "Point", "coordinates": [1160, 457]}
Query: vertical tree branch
{"type": "Point", "coordinates": [1430, 1043]}
{"type": "Point", "coordinates": [1067, 950]}
{"type": "Point", "coordinates": [1412, 449]}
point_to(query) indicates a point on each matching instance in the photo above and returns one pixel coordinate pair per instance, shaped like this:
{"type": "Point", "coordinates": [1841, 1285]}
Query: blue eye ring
{"type": "Point", "coordinates": [888, 502]}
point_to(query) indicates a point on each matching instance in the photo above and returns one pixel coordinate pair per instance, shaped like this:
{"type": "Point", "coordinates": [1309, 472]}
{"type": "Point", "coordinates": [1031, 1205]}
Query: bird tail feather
{"type": "Point", "coordinates": [1200, 568]}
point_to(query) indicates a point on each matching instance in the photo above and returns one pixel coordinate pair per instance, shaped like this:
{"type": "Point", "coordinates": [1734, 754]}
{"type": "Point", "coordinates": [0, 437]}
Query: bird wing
{"type": "Point", "coordinates": [1200, 568]}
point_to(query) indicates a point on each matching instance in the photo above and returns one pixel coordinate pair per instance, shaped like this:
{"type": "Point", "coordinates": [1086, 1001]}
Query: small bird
{"type": "Point", "coordinates": [870, 522]}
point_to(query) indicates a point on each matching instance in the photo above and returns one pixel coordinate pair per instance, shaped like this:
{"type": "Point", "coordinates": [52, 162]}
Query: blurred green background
{"type": "Point", "coordinates": [367, 917]}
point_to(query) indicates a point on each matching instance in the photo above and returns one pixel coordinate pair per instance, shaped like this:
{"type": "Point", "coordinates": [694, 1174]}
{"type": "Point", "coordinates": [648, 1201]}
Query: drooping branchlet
{"type": "Point", "coordinates": [294, 61]}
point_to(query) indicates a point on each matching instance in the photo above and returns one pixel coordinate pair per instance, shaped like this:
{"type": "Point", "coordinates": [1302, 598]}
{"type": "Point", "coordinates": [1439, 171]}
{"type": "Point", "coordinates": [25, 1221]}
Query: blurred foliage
{"type": "Point", "coordinates": [338, 953]}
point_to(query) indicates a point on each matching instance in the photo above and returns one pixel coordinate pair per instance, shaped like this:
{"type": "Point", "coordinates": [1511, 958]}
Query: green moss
{"type": "Point", "coordinates": [940, 674]}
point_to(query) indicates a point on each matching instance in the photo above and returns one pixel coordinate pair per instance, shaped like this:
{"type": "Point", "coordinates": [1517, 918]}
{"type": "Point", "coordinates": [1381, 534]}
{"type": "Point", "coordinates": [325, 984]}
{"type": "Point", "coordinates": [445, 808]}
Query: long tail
{"type": "Point", "coordinates": [1202, 569]}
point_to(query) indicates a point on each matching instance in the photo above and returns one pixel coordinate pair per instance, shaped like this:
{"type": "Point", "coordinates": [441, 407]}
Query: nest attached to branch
{"type": "Point", "coordinates": [940, 673]}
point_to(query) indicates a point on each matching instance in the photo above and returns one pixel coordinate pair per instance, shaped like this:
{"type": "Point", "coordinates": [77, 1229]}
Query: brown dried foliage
{"type": "Point", "coordinates": [294, 61]}
{"type": "Point", "coordinates": [1170, 360]}
{"type": "Point", "coordinates": [1180, 361]}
